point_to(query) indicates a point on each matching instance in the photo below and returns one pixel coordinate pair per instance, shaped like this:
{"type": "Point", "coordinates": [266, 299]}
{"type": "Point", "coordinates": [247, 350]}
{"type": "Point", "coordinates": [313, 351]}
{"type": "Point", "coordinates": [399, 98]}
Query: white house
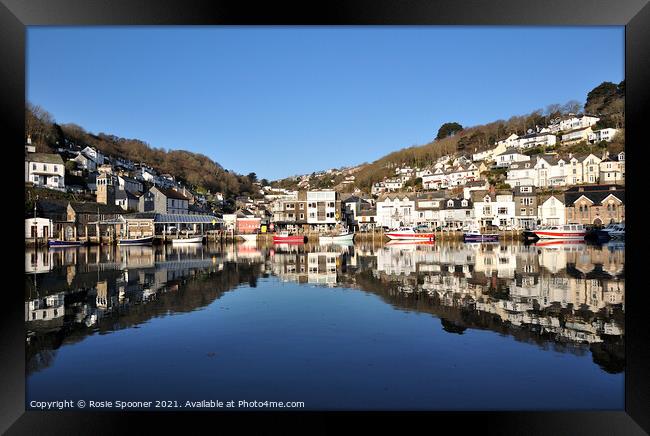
{"type": "Point", "coordinates": [488, 155]}
{"type": "Point", "coordinates": [573, 122]}
{"type": "Point", "coordinates": [85, 162]}
{"type": "Point", "coordinates": [393, 184]}
{"type": "Point", "coordinates": [522, 174]}
{"type": "Point", "coordinates": [602, 135]}
{"type": "Point", "coordinates": [458, 213]}
{"type": "Point", "coordinates": [45, 170]}
{"type": "Point", "coordinates": [536, 139]}
{"type": "Point", "coordinates": [612, 169]}
{"type": "Point", "coordinates": [510, 156]}
{"type": "Point", "coordinates": [551, 210]}
{"type": "Point", "coordinates": [41, 228]}
{"type": "Point", "coordinates": [378, 188]}
{"type": "Point", "coordinates": [94, 154]}
{"type": "Point", "coordinates": [494, 209]}
{"type": "Point", "coordinates": [394, 210]}
{"type": "Point", "coordinates": [323, 209]}
{"type": "Point", "coordinates": [509, 142]}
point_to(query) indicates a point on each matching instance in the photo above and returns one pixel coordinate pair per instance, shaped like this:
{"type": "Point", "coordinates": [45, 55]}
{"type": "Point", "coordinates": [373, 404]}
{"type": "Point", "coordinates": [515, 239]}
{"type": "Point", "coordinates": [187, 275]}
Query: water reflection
{"type": "Point", "coordinates": [570, 296]}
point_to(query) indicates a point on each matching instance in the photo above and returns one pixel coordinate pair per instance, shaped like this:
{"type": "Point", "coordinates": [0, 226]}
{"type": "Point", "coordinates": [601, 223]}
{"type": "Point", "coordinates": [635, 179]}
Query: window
{"type": "Point", "coordinates": [302, 206]}
{"type": "Point", "coordinates": [330, 204]}
{"type": "Point", "coordinates": [502, 211]}
{"type": "Point", "coordinates": [302, 216]}
{"type": "Point", "coordinates": [34, 167]}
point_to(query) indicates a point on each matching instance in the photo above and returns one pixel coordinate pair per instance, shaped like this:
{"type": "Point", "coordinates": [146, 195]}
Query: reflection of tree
{"type": "Point", "coordinates": [451, 327]}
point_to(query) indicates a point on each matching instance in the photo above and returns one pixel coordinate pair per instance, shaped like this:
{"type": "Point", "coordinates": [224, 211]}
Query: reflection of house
{"type": "Point", "coordinates": [45, 309]}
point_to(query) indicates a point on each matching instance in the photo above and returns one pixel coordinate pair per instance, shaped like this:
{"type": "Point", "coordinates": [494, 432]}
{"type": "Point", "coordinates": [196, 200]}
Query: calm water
{"type": "Point", "coordinates": [437, 327]}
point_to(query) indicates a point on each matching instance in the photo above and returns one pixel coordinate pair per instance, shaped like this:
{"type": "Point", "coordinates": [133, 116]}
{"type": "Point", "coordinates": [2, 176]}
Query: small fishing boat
{"type": "Point", "coordinates": [195, 240]}
{"type": "Point", "coordinates": [566, 231]}
{"type": "Point", "coordinates": [60, 243]}
{"type": "Point", "coordinates": [476, 236]}
{"type": "Point", "coordinates": [248, 236]}
{"type": "Point", "coordinates": [286, 238]}
{"type": "Point", "coordinates": [147, 240]}
{"type": "Point", "coordinates": [410, 233]}
{"type": "Point", "coordinates": [344, 236]}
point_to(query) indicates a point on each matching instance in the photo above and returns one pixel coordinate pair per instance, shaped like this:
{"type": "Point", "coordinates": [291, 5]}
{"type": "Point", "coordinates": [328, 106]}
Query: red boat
{"type": "Point", "coordinates": [286, 238]}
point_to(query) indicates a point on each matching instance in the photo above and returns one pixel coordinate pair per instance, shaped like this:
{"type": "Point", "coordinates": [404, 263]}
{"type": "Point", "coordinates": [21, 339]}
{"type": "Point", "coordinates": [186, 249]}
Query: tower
{"type": "Point", "coordinates": [105, 189]}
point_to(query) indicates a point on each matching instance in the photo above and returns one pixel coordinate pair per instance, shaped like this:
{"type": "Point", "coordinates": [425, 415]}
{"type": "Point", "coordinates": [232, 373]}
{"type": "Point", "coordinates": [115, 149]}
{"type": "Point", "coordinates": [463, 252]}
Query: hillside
{"type": "Point", "coordinates": [607, 101]}
{"type": "Point", "coordinates": [194, 169]}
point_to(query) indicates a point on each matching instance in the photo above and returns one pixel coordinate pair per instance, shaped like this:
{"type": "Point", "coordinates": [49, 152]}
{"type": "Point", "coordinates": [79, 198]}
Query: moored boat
{"type": "Point", "coordinates": [477, 236]}
{"type": "Point", "coordinates": [195, 240]}
{"type": "Point", "coordinates": [341, 237]}
{"type": "Point", "coordinates": [286, 238]}
{"type": "Point", "coordinates": [410, 233]}
{"type": "Point", "coordinates": [565, 231]}
{"type": "Point", "coordinates": [147, 240]}
{"type": "Point", "coordinates": [248, 236]}
{"type": "Point", "coordinates": [60, 243]}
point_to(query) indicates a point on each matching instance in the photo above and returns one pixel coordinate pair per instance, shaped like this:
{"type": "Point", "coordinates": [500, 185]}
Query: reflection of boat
{"type": "Point", "coordinates": [477, 236]}
{"type": "Point", "coordinates": [559, 242]}
{"type": "Point", "coordinates": [341, 237]}
{"type": "Point", "coordinates": [59, 243]}
{"type": "Point", "coordinates": [195, 240]}
{"type": "Point", "coordinates": [248, 236]}
{"type": "Point", "coordinates": [612, 231]}
{"type": "Point", "coordinates": [409, 233]}
{"type": "Point", "coordinates": [566, 231]}
{"type": "Point", "coordinates": [148, 240]}
{"type": "Point", "coordinates": [285, 237]}
{"type": "Point", "coordinates": [407, 243]}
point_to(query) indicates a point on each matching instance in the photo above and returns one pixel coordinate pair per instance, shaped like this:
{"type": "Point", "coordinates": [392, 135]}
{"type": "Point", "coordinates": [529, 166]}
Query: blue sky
{"type": "Point", "coordinates": [280, 101]}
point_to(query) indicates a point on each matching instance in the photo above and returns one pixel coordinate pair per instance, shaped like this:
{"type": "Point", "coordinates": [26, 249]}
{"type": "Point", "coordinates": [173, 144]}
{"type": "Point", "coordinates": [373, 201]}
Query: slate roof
{"type": "Point", "coordinates": [595, 193]}
{"type": "Point", "coordinates": [93, 208]}
{"type": "Point", "coordinates": [51, 158]}
{"type": "Point", "coordinates": [170, 193]}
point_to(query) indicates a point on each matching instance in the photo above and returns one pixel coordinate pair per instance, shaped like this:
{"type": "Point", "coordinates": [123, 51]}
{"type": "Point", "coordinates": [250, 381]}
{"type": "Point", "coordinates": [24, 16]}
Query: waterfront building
{"type": "Point", "coordinates": [395, 210]}
{"type": "Point", "coordinates": [494, 209]}
{"type": "Point", "coordinates": [595, 204]}
{"type": "Point", "coordinates": [525, 206]}
{"type": "Point", "coordinates": [550, 210]}
{"type": "Point", "coordinates": [323, 209]}
{"type": "Point", "coordinates": [458, 213]}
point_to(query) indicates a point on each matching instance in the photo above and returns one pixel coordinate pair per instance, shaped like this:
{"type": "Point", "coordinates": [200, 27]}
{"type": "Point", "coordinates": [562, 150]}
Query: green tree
{"type": "Point", "coordinates": [448, 129]}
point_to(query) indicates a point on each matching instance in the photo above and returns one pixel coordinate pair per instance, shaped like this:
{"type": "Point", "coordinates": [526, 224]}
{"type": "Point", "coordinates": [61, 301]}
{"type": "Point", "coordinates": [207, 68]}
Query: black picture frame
{"type": "Point", "coordinates": [15, 15]}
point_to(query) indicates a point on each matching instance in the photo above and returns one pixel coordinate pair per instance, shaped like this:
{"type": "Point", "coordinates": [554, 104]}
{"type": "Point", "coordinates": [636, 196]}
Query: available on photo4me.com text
{"type": "Point", "coordinates": [158, 404]}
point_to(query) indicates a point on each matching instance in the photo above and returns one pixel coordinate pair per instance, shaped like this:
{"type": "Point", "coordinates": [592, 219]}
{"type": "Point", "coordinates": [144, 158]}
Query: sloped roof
{"type": "Point", "coordinates": [91, 207]}
{"type": "Point", "coordinates": [52, 158]}
{"type": "Point", "coordinates": [595, 193]}
{"type": "Point", "coordinates": [170, 193]}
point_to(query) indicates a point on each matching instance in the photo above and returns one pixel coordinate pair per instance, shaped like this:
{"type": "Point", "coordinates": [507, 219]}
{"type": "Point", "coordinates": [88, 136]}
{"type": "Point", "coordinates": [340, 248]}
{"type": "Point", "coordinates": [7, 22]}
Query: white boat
{"type": "Point", "coordinates": [195, 240]}
{"type": "Point", "coordinates": [409, 233]}
{"type": "Point", "coordinates": [341, 237]}
{"type": "Point", "coordinates": [248, 236]}
{"type": "Point", "coordinates": [615, 231]}
{"type": "Point", "coordinates": [566, 231]}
